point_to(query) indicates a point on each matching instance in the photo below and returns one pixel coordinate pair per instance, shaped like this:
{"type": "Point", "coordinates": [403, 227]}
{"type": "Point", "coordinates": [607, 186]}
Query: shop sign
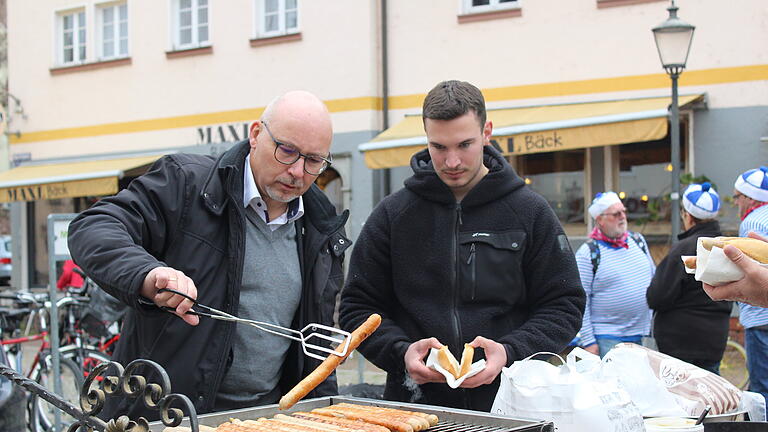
{"type": "Point", "coordinates": [44, 191]}
{"type": "Point", "coordinates": [546, 141]}
{"type": "Point", "coordinates": [216, 134]}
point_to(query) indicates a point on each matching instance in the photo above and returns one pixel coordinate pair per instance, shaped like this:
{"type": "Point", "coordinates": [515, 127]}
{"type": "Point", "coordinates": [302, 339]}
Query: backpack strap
{"type": "Point", "coordinates": [640, 241]}
{"type": "Point", "coordinates": [594, 254]}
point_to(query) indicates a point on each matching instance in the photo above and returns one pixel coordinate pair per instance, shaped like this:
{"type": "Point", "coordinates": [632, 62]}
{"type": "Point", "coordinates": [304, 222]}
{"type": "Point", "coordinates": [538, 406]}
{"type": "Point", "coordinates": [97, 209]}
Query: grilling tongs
{"type": "Point", "coordinates": [335, 335]}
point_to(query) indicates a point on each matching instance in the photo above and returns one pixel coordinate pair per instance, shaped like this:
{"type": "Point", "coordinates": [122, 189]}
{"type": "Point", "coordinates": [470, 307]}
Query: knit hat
{"type": "Point", "coordinates": [701, 201]}
{"type": "Point", "coordinates": [754, 184]}
{"type": "Point", "coordinates": [602, 201]}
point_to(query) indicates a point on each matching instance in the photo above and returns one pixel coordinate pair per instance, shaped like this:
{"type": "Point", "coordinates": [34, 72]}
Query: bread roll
{"type": "Point", "coordinates": [448, 361]}
{"type": "Point", "coordinates": [690, 262]}
{"type": "Point", "coordinates": [753, 248]}
{"type": "Point", "coordinates": [466, 360]}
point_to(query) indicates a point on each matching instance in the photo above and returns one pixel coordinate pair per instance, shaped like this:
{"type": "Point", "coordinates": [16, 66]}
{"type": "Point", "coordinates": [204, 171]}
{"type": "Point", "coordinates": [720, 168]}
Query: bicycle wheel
{"type": "Point", "coordinates": [41, 413]}
{"type": "Point", "coordinates": [86, 358]}
{"type": "Point", "coordinates": [733, 366]}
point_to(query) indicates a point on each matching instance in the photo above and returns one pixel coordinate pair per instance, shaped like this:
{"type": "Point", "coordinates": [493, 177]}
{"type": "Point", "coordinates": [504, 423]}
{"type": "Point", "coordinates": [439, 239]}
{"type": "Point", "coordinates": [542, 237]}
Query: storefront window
{"type": "Point", "coordinates": [37, 213]}
{"type": "Point", "coordinates": [645, 184]}
{"type": "Point", "coordinates": [558, 177]}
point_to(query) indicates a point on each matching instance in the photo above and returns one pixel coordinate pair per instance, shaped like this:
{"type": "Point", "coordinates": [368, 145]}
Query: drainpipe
{"type": "Point", "coordinates": [383, 177]}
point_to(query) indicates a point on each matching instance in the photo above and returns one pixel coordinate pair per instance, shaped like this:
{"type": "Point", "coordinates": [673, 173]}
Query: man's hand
{"type": "Point", "coordinates": [495, 359]}
{"type": "Point", "coordinates": [594, 349]}
{"type": "Point", "coordinates": [752, 288]}
{"type": "Point", "coordinates": [414, 361]}
{"type": "Point", "coordinates": [166, 277]}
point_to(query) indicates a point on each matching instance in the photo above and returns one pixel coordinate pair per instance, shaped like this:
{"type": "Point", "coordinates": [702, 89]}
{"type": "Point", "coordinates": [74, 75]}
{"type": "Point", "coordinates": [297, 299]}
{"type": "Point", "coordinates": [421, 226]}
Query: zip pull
{"type": "Point", "coordinates": [471, 254]}
{"type": "Point", "coordinates": [458, 212]}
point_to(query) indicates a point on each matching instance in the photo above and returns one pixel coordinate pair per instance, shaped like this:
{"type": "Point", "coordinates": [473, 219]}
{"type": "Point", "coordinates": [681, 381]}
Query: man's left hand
{"type": "Point", "coordinates": [495, 359]}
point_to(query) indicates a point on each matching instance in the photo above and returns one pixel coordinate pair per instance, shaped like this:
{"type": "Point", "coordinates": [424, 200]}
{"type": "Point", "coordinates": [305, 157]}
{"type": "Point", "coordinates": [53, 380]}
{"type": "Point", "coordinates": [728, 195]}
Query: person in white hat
{"type": "Point", "coordinates": [677, 299]}
{"type": "Point", "coordinates": [751, 196]}
{"type": "Point", "coordinates": [615, 272]}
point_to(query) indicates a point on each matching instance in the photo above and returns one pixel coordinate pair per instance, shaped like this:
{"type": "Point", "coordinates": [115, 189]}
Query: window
{"type": "Point", "coordinates": [559, 177]}
{"type": "Point", "coordinates": [71, 37]}
{"type": "Point", "coordinates": [113, 31]}
{"type": "Point", "coordinates": [191, 24]}
{"type": "Point", "coordinates": [277, 17]}
{"type": "Point", "coordinates": [478, 6]}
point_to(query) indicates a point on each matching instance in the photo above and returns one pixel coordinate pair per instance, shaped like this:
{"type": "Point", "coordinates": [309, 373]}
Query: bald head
{"type": "Point", "coordinates": [300, 107]}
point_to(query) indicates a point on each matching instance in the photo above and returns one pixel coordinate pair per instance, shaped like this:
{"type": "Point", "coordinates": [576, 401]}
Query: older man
{"type": "Point", "coordinates": [249, 234]}
{"type": "Point", "coordinates": [615, 269]}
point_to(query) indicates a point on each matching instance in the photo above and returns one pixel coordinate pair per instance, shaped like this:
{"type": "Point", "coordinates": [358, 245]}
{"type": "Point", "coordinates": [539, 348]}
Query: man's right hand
{"type": "Point", "coordinates": [414, 361]}
{"type": "Point", "coordinates": [167, 277]}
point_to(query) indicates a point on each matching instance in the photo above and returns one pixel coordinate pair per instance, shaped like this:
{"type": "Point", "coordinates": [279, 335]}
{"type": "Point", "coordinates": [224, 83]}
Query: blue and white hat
{"type": "Point", "coordinates": [754, 184]}
{"type": "Point", "coordinates": [701, 201]}
{"type": "Point", "coordinates": [602, 201]}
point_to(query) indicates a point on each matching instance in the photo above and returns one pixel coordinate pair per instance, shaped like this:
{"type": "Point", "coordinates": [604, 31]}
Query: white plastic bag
{"type": "Point", "coordinates": [691, 387]}
{"type": "Point", "coordinates": [631, 369]}
{"type": "Point", "coordinates": [574, 401]}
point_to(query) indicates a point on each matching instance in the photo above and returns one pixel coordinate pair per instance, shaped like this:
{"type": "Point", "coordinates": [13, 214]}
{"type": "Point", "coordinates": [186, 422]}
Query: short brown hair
{"type": "Point", "coordinates": [451, 99]}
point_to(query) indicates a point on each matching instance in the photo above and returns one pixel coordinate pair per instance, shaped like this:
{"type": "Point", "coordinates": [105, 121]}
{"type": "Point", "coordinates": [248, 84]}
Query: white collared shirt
{"type": "Point", "coordinates": [252, 197]}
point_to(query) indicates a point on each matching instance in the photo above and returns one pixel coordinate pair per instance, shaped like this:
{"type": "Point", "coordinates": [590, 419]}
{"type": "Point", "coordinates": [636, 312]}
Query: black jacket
{"type": "Point", "coordinates": [687, 323]}
{"type": "Point", "coordinates": [496, 265]}
{"type": "Point", "coordinates": [187, 213]}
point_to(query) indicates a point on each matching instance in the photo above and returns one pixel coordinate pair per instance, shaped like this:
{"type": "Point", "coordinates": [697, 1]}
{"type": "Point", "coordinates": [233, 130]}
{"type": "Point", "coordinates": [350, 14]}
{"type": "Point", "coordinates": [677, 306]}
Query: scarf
{"type": "Point", "coordinates": [619, 242]}
{"type": "Point", "coordinates": [753, 208]}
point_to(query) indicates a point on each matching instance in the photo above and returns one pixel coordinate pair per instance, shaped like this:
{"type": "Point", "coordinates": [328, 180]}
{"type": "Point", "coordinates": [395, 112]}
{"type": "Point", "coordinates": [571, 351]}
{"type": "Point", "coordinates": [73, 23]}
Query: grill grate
{"type": "Point", "coordinates": [451, 420]}
{"type": "Point", "coordinates": [462, 427]}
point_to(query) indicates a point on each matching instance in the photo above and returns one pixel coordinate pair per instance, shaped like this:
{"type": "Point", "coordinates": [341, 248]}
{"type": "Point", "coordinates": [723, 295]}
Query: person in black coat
{"type": "Point", "coordinates": [688, 324]}
{"type": "Point", "coordinates": [465, 253]}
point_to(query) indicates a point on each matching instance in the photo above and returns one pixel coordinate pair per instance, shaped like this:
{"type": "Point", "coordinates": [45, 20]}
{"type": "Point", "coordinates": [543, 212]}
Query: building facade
{"type": "Point", "coordinates": [117, 83]}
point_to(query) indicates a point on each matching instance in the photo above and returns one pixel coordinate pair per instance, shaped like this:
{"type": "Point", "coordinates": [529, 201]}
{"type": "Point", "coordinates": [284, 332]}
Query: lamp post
{"type": "Point", "coordinates": [673, 41]}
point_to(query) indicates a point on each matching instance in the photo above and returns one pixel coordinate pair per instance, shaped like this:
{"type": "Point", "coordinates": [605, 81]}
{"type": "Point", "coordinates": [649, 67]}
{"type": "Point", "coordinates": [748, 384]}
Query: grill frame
{"type": "Point", "coordinates": [451, 419]}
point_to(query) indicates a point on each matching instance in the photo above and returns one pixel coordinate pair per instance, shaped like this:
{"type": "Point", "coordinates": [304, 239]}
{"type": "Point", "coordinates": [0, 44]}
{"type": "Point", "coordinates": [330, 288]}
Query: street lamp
{"type": "Point", "coordinates": [673, 40]}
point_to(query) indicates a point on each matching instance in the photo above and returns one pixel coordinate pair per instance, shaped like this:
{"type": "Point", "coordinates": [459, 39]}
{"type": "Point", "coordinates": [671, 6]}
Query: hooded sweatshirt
{"type": "Point", "coordinates": [497, 265]}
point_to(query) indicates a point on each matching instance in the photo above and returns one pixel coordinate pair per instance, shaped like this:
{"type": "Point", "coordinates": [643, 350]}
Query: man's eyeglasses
{"type": "Point", "coordinates": [616, 214]}
{"type": "Point", "coordinates": [288, 154]}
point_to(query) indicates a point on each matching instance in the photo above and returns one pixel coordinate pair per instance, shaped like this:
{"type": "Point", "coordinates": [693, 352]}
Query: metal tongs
{"type": "Point", "coordinates": [337, 336]}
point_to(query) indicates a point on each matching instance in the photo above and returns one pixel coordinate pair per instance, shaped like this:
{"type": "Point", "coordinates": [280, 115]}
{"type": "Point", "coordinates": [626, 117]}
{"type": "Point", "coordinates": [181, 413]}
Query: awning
{"type": "Point", "coordinates": [69, 179]}
{"type": "Point", "coordinates": [546, 128]}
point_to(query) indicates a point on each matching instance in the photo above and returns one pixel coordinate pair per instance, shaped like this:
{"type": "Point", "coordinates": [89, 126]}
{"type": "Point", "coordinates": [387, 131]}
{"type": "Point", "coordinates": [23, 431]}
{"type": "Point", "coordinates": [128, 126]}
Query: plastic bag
{"type": "Point", "coordinates": [693, 388]}
{"type": "Point", "coordinates": [574, 401]}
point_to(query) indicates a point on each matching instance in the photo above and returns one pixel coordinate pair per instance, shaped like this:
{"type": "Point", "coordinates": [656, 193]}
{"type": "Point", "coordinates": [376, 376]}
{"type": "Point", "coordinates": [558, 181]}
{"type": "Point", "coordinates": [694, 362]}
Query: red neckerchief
{"type": "Point", "coordinates": [751, 209]}
{"type": "Point", "coordinates": [620, 242]}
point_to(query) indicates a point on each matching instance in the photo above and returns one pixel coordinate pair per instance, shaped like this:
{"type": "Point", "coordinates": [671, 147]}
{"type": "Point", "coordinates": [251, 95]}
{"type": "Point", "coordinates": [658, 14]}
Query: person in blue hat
{"type": "Point", "coordinates": [678, 302]}
{"type": "Point", "coordinates": [751, 197]}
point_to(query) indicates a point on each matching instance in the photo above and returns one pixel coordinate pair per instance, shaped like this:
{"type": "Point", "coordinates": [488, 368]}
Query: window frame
{"type": "Point", "coordinates": [493, 6]}
{"type": "Point", "coordinates": [99, 30]}
{"type": "Point", "coordinates": [260, 24]}
{"type": "Point", "coordinates": [59, 17]}
{"type": "Point", "coordinates": [175, 27]}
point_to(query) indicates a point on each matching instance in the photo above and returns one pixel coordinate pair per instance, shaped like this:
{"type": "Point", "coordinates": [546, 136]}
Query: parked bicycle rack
{"type": "Point", "coordinates": [157, 396]}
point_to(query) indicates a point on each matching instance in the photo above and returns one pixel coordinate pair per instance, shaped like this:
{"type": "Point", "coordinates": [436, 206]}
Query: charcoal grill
{"type": "Point", "coordinates": [451, 420]}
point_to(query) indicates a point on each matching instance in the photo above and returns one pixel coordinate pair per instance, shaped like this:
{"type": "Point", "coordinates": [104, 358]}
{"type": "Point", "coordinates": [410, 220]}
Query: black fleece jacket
{"type": "Point", "coordinates": [497, 265]}
{"type": "Point", "coordinates": [687, 324]}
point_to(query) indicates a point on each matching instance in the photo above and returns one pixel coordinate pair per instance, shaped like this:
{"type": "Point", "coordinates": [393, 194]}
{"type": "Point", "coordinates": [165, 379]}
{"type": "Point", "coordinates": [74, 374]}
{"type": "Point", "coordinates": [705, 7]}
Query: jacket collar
{"type": "Point", "coordinates": [711, 226]}
{"type": "Point", "coordinates": [225, 184]}
{"type": "Point", "coordinates": [500, 180]}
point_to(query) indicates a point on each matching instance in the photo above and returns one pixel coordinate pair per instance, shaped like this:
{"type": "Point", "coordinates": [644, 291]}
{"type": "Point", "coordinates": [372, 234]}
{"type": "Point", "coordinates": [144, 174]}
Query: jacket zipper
{"type": "Point", "coordinates": [472, 269]}
{"type": "Point", "coordinates": [456, 288]}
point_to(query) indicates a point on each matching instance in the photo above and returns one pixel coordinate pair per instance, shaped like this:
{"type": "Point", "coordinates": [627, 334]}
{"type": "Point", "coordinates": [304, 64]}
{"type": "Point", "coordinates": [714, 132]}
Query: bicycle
{"type": "Point", "coordinates": [76, 358]}
{"type": "Point", "coordinates": [733, 366]}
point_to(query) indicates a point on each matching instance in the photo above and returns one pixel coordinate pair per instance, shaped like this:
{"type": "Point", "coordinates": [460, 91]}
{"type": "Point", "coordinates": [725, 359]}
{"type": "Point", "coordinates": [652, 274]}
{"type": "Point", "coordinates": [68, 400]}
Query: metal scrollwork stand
{"type": "Point", "coordinates": [100, 384]}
